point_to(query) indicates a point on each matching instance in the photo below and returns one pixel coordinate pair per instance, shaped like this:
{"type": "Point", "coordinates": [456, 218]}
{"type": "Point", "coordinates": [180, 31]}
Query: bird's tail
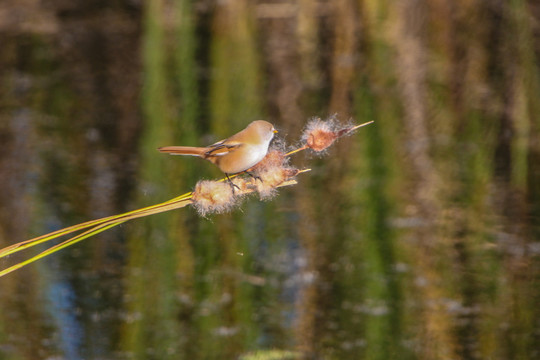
{"type": "Point", "coordinates": [184, 150]}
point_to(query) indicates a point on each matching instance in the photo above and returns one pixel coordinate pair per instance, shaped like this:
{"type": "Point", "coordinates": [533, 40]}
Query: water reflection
{"type": "Point", "coordinates": [63, 313]}
{"type": "Point", "coordinates": [417, 237]}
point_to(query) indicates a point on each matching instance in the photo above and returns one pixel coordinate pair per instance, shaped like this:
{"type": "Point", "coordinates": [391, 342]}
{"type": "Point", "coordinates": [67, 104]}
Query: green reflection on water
{"type": "Point", "coordinates": [417, 237]}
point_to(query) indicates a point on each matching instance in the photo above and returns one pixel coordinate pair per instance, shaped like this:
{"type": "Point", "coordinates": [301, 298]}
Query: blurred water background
{"type": "Point", "coordinates": [416, 238]}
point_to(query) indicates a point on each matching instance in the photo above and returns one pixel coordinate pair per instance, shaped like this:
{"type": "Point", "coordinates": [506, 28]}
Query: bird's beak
{"type": "Point", "coordinates": [275, 131]}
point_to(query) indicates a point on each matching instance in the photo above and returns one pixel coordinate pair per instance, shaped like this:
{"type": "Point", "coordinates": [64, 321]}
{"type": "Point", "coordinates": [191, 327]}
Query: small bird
{"type": "Point", "coordinates": [235, 154]}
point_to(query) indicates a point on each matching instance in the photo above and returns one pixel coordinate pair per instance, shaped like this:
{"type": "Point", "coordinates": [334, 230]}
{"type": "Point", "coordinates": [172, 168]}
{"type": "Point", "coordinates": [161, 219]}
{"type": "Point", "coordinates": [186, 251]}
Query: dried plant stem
{"type": "Point", "coordinates": [175, 203]}
{"type": "Point", "coordinates": [361, 125]}
{"type": "Point", "coordinates": [60, 246]}
{"type": "Point", "coordinates": [297, 150]}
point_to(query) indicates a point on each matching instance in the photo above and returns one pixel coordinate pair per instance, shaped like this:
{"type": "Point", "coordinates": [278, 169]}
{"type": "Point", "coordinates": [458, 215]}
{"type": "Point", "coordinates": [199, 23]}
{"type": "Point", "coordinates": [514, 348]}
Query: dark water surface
{"type": "Point", "coordinates": [418, 237]}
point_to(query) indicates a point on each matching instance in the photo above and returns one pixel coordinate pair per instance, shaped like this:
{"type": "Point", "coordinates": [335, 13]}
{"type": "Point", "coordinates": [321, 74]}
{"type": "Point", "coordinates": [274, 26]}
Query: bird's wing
{"type": "Point", "coordinates": [221, 148]}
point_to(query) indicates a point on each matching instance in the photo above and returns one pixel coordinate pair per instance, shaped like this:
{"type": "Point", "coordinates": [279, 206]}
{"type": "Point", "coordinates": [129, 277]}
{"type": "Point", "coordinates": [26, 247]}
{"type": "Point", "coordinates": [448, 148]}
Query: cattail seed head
{"type": "Point", "coordinates": [272, 178]}
{"type": "Point", "coordinates": [213, 197]}
{"type": "Point", "coordinates": [319, 135]}
{"type": "Point", "coordinates": [273, 158]}
{"type": "Point", "coordinates": [272, 171]}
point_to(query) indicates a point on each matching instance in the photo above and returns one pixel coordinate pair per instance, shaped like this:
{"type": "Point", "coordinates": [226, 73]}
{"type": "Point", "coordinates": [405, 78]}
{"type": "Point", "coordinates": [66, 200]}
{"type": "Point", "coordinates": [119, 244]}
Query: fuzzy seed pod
{"type": "Point", "coordinates": [272, 171]}
{"type": "Point", "coordinates": [319, 135]}
{"type": "Point", "coordinates": [213, 197]}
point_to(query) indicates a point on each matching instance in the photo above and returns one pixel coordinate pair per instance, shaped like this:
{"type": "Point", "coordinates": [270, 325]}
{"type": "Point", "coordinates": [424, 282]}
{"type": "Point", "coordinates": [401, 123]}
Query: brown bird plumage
{"type": "Point", "coordinates": [235, 154]}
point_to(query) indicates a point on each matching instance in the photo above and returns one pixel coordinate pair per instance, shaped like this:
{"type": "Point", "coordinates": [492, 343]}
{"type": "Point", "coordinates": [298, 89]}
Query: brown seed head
{"type": "Point", "coordinates": [273, 158]}
{"type": "Point", "coordinates": [272, 178]}
{"type": "Point", "coordinates": [273, 171]}
{"type": "Point", "coordinates": [319, 135]}
{"type": "Point", "coordinates": [213, 197]}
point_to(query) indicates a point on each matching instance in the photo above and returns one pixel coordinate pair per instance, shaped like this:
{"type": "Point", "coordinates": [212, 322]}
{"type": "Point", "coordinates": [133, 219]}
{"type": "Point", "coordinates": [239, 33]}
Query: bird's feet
{"type": "Point", "coordinates": [233, 185]}
{"type": "Point", "coordinates": [256, 177]}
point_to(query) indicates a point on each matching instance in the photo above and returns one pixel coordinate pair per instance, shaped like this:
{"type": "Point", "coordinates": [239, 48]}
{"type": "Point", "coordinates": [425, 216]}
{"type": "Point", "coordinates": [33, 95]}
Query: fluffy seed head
{"type": "Point", "coordinates": [273, 171]}
{"type": "Point", "coordinates": [272, 178]}
{"type": "Point", "coordinates": [213, 197]}
{"type": "Point", "coordinates": [319, 135]}
{"type": "Point", "coordinates": [273, 158]}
